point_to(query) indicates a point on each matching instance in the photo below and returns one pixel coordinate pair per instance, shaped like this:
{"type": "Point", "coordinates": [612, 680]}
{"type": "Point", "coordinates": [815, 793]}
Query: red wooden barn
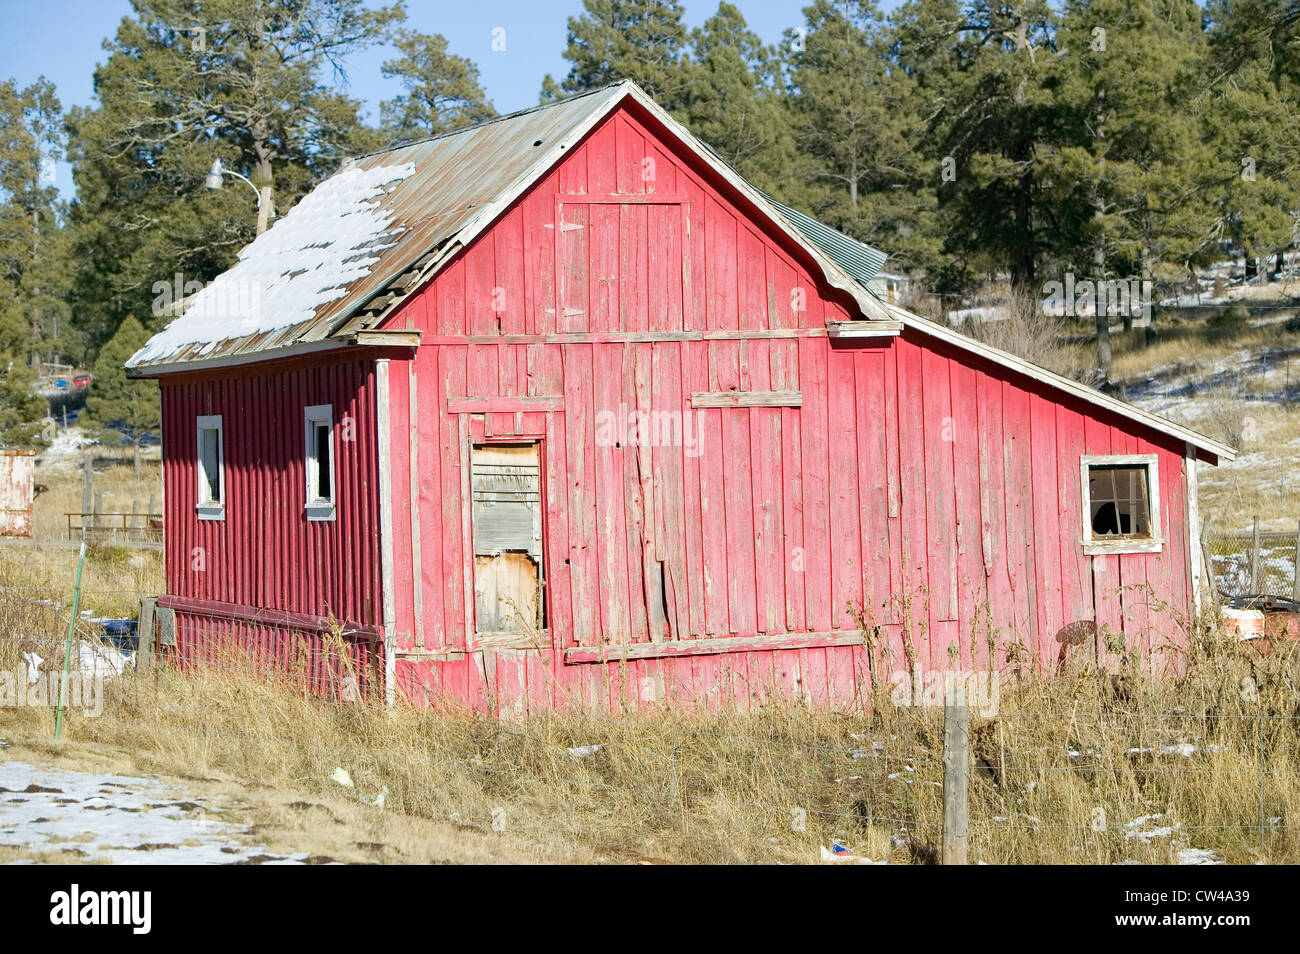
{"type": "Point", "coordinates": [558, 410]}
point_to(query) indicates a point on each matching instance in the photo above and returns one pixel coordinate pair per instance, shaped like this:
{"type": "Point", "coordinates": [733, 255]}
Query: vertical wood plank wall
{"type": "Point", "coordinates": [937, 488]}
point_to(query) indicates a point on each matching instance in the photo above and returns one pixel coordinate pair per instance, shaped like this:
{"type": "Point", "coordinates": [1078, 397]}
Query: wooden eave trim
{"type": "Point", "coordinates": [866, 328]}
{"type": "Point", "coordinates": [389, 338]}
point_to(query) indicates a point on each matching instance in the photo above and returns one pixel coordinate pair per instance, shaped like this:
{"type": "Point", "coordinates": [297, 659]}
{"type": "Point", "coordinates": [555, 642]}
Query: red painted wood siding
{"type": "Point", "coordinates": [938, 488]}
{"type": "Point", "coordinates": [265, 553]}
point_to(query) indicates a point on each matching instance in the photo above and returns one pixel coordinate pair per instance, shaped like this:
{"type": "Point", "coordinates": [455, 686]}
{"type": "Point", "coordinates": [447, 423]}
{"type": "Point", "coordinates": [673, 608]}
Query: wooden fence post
{"type": "Point", "coordinates": [956, 762]}
{"type": "Point", "coordinates": [1207, 559]}
{"type": "Point", "coordinates": [1295, 571]}
{"type": "Point", "coordinates": [1254, 559]}
{"type": "Point", "coordinates": [87, 489]}
{"type": "Point", "coordinates": [144, 641]}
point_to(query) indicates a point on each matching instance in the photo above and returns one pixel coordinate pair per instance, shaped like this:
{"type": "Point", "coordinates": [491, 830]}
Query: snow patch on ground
{"type": "Point", "coordinates": [119, 819]}
{"type": "Point", "coordinates": [325, 243]}
{"type": "Point", "coordinates": [68, 442]}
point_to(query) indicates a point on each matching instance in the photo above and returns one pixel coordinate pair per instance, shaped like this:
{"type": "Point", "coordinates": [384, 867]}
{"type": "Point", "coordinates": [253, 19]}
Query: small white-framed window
{"type": "Point", "coordinates": [1121, 503]}
{"type": "Point", "coordinates": [211, 499]}
{"type": "Point", "coordinates": [321, 485]}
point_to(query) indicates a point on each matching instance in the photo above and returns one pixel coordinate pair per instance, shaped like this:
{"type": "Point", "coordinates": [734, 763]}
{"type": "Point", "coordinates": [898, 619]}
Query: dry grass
{"type": "Point", "coordinates": [116, 574]}
{"type": "Point", "coordinates": [1190, 345]}
{"type": "Point", "coordinates": [768, 785]}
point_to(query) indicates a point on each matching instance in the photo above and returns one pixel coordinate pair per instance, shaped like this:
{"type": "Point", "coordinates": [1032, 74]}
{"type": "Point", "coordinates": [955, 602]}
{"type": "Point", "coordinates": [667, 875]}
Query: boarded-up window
{"type": "Point", "coordinates": [507, 526]}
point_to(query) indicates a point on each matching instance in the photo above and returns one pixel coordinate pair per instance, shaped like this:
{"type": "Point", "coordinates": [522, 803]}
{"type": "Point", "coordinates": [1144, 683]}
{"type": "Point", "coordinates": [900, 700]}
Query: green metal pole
{"type": "Point", "coordinates": [67, 651]}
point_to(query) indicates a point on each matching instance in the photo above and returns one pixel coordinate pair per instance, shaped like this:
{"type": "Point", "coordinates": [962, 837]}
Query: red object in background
{"type": "Point", "coordinates": [81, 381]}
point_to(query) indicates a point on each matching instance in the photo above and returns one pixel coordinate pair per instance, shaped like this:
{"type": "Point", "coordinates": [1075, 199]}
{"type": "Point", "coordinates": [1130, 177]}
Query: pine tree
{"type": "Point", "coordinates": [1252, 109]}
{"type": "Point", "coordinates": [734, 101]}
{"type": "Point", "coordinates": [442, 90]}
{"type": "Point", "coordinates": [640, 40]}
{"type": "Point", "coordinates": [29, 242]}
{"type": "Point", "coordinates": [858, 121]}
{"type": "Point", "coordinates": [119, 409]}
{"type": "Point", "coordinates": [1124, 176]}
{"type": "Point", "coordinates": [188, 82]}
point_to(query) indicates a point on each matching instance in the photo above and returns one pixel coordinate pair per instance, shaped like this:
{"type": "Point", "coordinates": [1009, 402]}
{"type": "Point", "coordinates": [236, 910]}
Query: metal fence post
{"type": "Point", "coordinates": [67, 650]}
{"type": "Point", "coordinates": [87, 489]}
{"type": "Point", "coordinates": [956, 761]}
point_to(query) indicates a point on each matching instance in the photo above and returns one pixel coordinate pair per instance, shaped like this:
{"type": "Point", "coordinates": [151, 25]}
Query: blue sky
{"type": "Point", "coordinates": [63, 41]}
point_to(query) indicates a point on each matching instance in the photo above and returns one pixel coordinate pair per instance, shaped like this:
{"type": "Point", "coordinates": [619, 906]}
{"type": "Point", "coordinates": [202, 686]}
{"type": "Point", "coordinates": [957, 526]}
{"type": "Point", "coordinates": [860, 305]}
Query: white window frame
{"type": "Point", "coordinates": [205, 508]}
{"type": "Point", "coordinates": [1096, 545]}
{"type": "Point", "coordinates": [318, 507]}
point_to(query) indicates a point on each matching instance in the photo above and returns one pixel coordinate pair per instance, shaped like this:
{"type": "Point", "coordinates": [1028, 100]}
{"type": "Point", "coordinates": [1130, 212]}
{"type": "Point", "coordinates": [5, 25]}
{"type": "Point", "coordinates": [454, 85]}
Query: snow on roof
{"type": "Point", "coordinates": [327, 241]}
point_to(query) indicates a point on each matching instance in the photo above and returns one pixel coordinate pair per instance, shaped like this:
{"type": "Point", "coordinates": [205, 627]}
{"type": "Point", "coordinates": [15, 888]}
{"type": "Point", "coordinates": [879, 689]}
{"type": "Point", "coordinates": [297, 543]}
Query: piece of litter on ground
{"type": "Point", "coordinates": [1198, 856]}
{"type": "Point", "coordinates": [33, 666]}
{"type": "Point", "coordinates": [379, 800]}
{"type": "Point", "coordinates": [342, 777]}
{"type": "Point", "coordinates": [1134, 829]}
{"type": "Point", "coordinates": [584, 751]}
{"type": "Point", "coordinates": [101, 659]}
{"type": "Point", "coordinates": [839, 854]}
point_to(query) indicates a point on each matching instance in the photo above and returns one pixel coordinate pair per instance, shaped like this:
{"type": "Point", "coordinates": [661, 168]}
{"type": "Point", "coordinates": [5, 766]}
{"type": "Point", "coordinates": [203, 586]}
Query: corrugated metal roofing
{"type": "Point", "coordinates": [859, 260]}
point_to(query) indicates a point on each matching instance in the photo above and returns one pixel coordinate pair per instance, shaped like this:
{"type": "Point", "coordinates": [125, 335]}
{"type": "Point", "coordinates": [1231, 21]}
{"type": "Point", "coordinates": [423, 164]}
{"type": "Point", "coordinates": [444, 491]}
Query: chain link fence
{"type": "Point", "coordinates": [1253, 562]}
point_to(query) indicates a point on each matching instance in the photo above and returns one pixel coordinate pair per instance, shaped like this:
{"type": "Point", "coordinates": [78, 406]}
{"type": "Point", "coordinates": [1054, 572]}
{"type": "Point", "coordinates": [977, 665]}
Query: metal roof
{"type": "Point", "coordinates": [861, 261]}
{"type": "Point", "coordinates": [457, 179]}
{"type": "Point", "coordinates": [462, 180]}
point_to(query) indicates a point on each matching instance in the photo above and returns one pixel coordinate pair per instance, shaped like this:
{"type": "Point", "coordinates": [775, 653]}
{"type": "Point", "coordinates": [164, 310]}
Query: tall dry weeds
{"type": "Point", "coordinates": [1096, 766]}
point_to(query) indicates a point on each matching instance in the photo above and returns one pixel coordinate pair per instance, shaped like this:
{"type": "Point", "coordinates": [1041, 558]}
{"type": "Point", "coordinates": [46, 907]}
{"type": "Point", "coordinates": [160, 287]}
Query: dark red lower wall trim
{"type": "Point", "coordinates": [271, 617]}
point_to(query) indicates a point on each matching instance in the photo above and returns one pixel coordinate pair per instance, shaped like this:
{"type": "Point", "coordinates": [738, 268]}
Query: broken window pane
{"type": "Point", "coordinates": [1119, 500]}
